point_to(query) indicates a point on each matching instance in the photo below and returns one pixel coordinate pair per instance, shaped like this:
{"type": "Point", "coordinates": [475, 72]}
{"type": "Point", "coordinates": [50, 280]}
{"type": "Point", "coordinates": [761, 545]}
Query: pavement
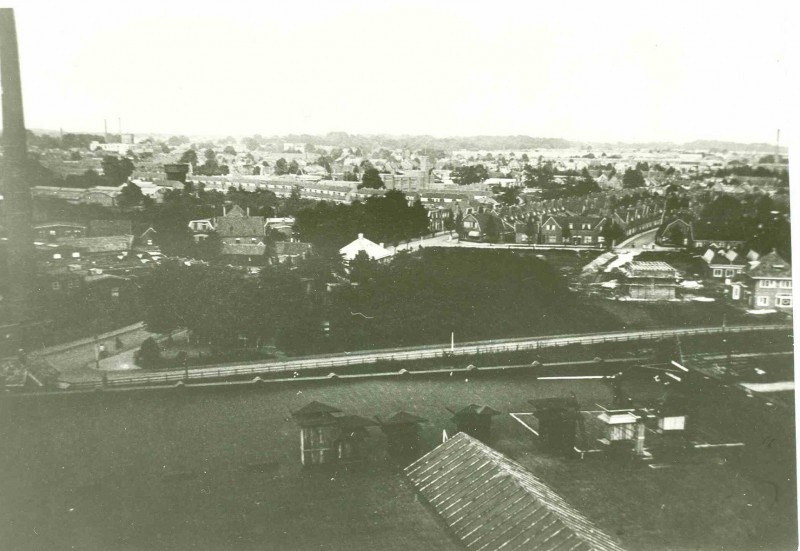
{"type": "Point", "coordinates": [435, 241]}
{"type": "Point", "coordinates": [77, 361]}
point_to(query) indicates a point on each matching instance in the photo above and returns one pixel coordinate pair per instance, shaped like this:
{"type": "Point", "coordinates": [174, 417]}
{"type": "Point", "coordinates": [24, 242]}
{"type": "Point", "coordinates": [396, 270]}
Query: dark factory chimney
{"type": "Point", "coordinates": [17, 208]}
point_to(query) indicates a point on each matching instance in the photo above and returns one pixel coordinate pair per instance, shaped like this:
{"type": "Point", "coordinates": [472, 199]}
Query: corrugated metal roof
{"type": "Point", "coordinates": [491, 502]}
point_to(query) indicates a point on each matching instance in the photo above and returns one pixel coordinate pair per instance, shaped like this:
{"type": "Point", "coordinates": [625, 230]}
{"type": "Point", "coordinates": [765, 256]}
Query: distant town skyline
{"type": "Point", "coordinates": [621, 72]}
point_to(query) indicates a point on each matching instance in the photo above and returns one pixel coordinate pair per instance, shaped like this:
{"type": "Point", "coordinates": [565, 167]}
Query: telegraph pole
{"type": "Point", "coordinates": [17, 197]}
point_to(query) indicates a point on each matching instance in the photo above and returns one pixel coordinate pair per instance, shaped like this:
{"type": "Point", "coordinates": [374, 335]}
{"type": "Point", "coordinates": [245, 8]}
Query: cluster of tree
{"type": "Point", "coordinates": [224, 306]}
{"type": "Point", "coordinates": [116, 170]}
{"type": "Point", "coordinates": [282, 167]}
{"type": "Point", "coordinates": [371, 179]}
{"type": "Point", "coordinates": [633, 178]}
{"type": "Point", "coordinates": [543, 176]}
{"type": "Point", "coordinates": [415, 299]}
{"type": "Point", "coordinates": [749, 171]}
{"type": "Point", "coordinates": [211, 167]}
{"type": "Point", "coordinates": [757, 219]}
{"type": "Point", "coordinates": [387, 219]}
{"type": "Point", "coordinates": [66, 141]}
{"type": "Point", "coordinates": [469, 174]}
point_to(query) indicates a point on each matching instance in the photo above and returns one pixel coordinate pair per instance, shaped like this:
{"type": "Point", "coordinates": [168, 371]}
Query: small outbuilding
{"type": "Point", "coordinates": [319, 433]}
{"type": "Point", "coordinates": [402, 434]}
{"type": "Point", "coordinates": [476, 421]}
{"type": "Point", "coordinates": [650, 280]}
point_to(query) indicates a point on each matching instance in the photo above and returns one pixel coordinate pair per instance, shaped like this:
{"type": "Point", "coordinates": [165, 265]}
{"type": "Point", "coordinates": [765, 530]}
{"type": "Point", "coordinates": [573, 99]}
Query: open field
{"type": "Point", "coordinates": [219, 468]}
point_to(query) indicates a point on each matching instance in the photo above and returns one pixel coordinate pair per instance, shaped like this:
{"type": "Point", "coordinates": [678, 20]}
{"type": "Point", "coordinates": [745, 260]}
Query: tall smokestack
{"type": "Point", "coordinates": [17, 196]}
{"type": "Point", "coordinates": [105, 129]}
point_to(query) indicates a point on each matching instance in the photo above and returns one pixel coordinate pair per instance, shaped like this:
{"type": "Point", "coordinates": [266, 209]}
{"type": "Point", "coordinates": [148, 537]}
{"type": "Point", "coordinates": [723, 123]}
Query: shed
{"type": "Point", "coordinates": [490, 502]}
{"type": "Point", "coordinates": [319, 433]}
{"type": "Point", "coordinates": [402, 434]}
{"type": "Point", "coordinates": [556, 420]}
{"type": "Point", "coordinates": [476, 421]}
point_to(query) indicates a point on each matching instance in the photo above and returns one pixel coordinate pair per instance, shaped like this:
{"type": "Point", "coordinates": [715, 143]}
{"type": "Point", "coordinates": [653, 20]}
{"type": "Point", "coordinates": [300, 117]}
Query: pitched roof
{"type": "Point", "coordinates": [474, 409]}
{"type": "Point", "coordinates": [353, 422]}
{"type": "Point", "coordinates": [315, 408]}
{"type": "Point", "coordinates": [402, 418]}
{"type": "Point", "coordinates": [105, 244]}
{"type": "Point", "coordinates": [491, 502]}
{"type": "Point", "coordinates": [721, 259]}
{"type": "Point", "coordinates": [771, 265]}
{"type": "Point", "coordinates": [291, 247]}
{"type": "Point", "coordinates": [655, 268]}
{"type": "Point", "coordinates": [373, 250]}
{"type": "Point", "coordinates": [243, 249]}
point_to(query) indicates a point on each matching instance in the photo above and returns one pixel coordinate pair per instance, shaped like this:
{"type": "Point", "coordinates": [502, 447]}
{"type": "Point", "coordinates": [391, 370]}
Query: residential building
{"type": "Point", "coordinates": [373, 250]}
{"type": "Point", "coordinates": [767, 284]}
{"type": "Point", "coordinates": [236, 226]}
{"type": "Point", "coordinates": [478, 225]}
{"type": "Point", "coordinates": [724, 265]}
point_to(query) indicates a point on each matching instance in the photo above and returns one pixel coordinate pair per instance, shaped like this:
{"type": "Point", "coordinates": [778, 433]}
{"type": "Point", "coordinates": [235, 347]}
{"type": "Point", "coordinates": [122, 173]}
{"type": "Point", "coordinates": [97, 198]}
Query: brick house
{"type": "Point", "coordinates": [721, 265]}
{"type": "Point", "coordinates": [476, 225]}
{"type": "Point", "coordinates": [573, 230]}
{"type": "Point", "coordinates": [766, 284]}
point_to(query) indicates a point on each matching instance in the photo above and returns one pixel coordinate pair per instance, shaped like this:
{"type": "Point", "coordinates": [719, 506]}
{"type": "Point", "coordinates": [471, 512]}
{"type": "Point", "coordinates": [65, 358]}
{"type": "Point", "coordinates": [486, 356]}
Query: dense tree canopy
{"type": "Point", "coordinates": [117, 170]}
{"type": "Point", "coordinates": [632, 178]}
{"type": "Point", "coordinates": [469, 174]}
{"type": "Point", "coordinates": [387, 219]}
{"type": "Point", "coordinates": [371, 179]}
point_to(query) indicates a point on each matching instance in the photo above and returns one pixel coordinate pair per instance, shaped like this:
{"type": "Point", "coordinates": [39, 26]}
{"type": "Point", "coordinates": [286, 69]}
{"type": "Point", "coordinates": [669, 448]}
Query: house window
{"type": "Point", "coordinates": [56, 256]}
{"type": "Point", "coordinates": [717, 272]}
{"type": "Point", "coordinates": [76, 255]}
{"type": "Point", "coordinates": [768, 283]}
{"type": "Point", "coordinates": [587, 239]}
{"type": "Point", "coordinates": [570, 225]}
{"type": "Point", "coordinates": [149, 241]}
{"type": "Point", "coordinates": [786, 284]}
{"type": "Point", "coordinates": [52, 232]}
{"type": "Point", "coordinates": [56, 286]}
{"type": "Point", "coordinates": [115, 292]}
{"type": "Point", "coordinates": [783, 300]}
{"type": "Point", "coordinates": [728, 273]}
{"type": "Point", "coordinates": [763, 301]}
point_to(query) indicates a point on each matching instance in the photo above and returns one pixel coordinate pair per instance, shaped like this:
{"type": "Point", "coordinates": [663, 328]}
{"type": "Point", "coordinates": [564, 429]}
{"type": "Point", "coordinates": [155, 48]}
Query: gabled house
{"type": "Point", "coordinates": [572, 230]}
{"type": "Point", "coordinates": [766, 284]}
{"type": "Point", "coordinates": [722, 265]}
{"type": "Point", "coordinates": [237, 227]}
{"type": "Point", "coordinates": [480, 226]}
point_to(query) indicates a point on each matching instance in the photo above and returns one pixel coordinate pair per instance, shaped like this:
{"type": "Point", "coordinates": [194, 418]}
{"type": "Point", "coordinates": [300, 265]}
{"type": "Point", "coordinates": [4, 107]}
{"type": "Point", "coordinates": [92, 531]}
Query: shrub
{"type": "Point", "coordinates": [149, 354]}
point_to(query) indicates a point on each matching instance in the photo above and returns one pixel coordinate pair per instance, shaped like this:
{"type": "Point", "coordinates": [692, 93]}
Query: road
{"type": "Point", "coordinates": [644, 240]}
{"type": "Point", "coordinates": [120, 378]}
{"type": "Point", "coordinates": [76, 361]}
{"type": "Point", "coordinates": [434, 241]}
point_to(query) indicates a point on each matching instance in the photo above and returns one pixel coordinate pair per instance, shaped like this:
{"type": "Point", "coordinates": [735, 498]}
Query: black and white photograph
{"type": "Point", "coordinates": [395, 276]}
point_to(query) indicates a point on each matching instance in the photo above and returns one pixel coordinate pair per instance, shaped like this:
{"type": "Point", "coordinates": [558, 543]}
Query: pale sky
{"type": "Point", "coordinates": [595, 71]}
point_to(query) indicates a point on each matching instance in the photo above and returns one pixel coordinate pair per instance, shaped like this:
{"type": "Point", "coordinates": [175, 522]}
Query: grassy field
{"type": "Point", "coordinates": [218, 468]}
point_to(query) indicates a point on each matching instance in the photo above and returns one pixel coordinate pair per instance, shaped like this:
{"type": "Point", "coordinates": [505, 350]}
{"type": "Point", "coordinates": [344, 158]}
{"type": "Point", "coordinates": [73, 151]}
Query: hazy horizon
{"type": "Point", "coordinates": [618, 73]}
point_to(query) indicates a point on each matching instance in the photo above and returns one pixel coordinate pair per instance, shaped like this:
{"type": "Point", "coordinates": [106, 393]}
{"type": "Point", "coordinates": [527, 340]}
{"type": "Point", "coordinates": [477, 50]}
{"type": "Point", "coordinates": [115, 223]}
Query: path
{"type": "Point", "coordinates": [120, 378]}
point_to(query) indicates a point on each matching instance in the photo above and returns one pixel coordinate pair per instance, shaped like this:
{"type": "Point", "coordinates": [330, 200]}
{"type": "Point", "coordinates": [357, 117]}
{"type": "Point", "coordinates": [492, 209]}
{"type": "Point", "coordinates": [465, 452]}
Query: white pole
{"type": "Point", "coordinates": [452, 342]}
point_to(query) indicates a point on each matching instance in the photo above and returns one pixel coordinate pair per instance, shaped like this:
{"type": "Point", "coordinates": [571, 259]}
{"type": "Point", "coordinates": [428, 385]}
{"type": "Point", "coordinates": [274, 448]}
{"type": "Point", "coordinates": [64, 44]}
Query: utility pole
{"type": "Point", "coordinates": [17, 204]}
